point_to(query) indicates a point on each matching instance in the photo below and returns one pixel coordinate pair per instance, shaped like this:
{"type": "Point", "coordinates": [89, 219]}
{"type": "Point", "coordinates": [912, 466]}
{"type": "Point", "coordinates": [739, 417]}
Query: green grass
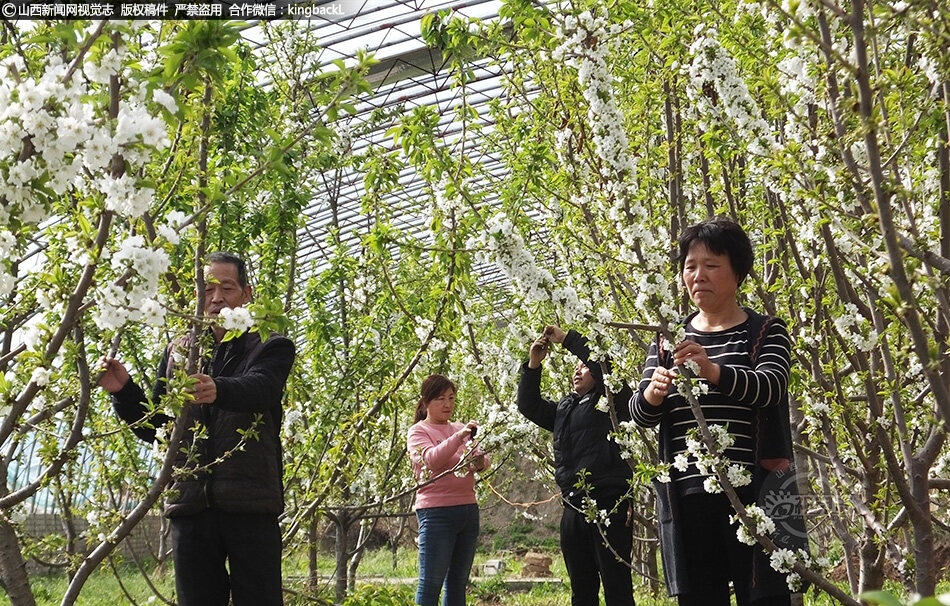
{"type": "Point", "coordinates": [103, 588]}
{"type": "Point", "coordinates": [521, 533]}
{"type": "Point", "coordinates": [382, 581]}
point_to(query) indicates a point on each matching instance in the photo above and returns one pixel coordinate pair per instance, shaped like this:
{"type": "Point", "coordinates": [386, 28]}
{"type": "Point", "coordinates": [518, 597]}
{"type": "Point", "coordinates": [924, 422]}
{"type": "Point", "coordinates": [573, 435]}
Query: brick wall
{"type": "Point", "coordinates": [148, 540]}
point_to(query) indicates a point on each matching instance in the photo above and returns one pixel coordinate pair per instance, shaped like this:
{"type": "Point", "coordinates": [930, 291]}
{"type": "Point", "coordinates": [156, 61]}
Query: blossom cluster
{"type": "Point", "coordinates": [55, 137]}
{"type": "Point", "coordinates": [501, 243]}
{"type": "Point", "coordinates": [712, 65]}
{"type": "Point", "coordinates": [7, 246]}
{"type": "Point", "coordinates": [135, 296]}
{"type": "Point", "coordinates": [763, 525]}
{"type": "Point", "coordinates": [706, 462]}
{"type": "Point", "coordinates": [784, 560]}
{"type": "Point", "coordinates": [628, 440]}
{"type": "Point", "coordinates": [237, 319]}
{"type": "Point", "coordinates": [815, 412]}
{"type": "Point", "coordinates": [855, 329]}
{"type": "Point", "coordinates": [294, 425]}
{"type": "Point", "coordinates": [447, 199]}
{"type": "Point", "coordinates": [59, 138]}
{"type": "Point", "coordinates": [593, 513]}
{"type": "Point", "coordinates": [584, 46]}
{"type": "Point", "coordinates": [691, 386]}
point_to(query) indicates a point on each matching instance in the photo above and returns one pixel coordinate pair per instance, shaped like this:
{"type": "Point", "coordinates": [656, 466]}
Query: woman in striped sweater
{"type": "Point", "coordinates": [701, 552]}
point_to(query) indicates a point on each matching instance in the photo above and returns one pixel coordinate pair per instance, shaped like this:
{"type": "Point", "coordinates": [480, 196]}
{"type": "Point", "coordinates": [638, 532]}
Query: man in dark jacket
{"type": "Point", "coordinates": [226, 496]}
{"type": "Point", "coordinates": [588, 466]}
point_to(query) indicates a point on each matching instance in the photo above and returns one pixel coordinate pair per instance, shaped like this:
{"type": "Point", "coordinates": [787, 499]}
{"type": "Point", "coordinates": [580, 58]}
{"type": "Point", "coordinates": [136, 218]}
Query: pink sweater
{"type": "Point", "coordinates": [434, 449]}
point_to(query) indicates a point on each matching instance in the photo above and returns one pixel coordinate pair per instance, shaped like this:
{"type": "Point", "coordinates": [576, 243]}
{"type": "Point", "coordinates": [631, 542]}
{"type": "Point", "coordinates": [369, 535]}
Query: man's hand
{"type": "Point", "coordinates": [538, 350]}
{"type": "Point", "coordinates": [205, 391]}
{"type": "Point", "coordinates": [113, 376]}
{"type": "Point", "coordinates": [554, 333]}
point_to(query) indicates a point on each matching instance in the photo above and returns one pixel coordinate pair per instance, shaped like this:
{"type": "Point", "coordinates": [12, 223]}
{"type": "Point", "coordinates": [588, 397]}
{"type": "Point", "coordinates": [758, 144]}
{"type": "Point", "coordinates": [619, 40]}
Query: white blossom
{"type": "Point", "coordinates": [124, 196]}
{"type": "Point", "coordinates": [169, 233]}
{"type": "Point", "coordinates": [739, 476]}
{"type": "Point", "coordinates": [35, 332]}
{"type": "Point", "coordinates": [238, 318]}
{"type": "Point", "coordinates": [502, 244]}
{"type": "Point", "coordinates": [7, 282]}
{"type": "Point", "coordinates": [165, 100]}
{"type": "Point", "coordinates": [681, 462]}
{"type": "Point", "coordinates": [712, 65]}
{"type": "Point", "coordinates": [110, 64]}
{"type": "Point", "coordinates": [763, 525]}
{"type": "Point", "coordinates": [40, 376]}
{"type": "Point", "coordinates": [783, 560]}
{"type": "Point", "coordinates": [423, 329]}
{"type": "Point", "coordinates": [693, 366]}
{"type": "Point", "coordinates": [153, 312]}
{"type": "Point", "coordinates": [142, 268]}
{"type": "Point", "coordinates": [855, 328]}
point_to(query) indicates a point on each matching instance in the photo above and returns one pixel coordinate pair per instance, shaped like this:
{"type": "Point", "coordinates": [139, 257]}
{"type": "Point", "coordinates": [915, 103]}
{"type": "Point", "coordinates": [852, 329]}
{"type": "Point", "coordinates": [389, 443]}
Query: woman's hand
{"type": "Point", "coordinates": [478, 463]}
{"type": "Point", "coordinates": [659, 386]}
{"type": "Point", "coordinates": [478, 460]}
{"type": "Point", "coordinates": [540, 347]}
{"type": "Point", "coordinates": [688, 353]}
{"type": "Point", "coordinates": [471, 427]}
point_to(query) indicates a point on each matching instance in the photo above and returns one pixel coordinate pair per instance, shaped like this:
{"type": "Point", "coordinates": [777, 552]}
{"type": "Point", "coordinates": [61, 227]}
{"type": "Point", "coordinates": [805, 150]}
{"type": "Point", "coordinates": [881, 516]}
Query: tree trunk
{"type": "Point", "coordinates": [13, 577]}
{"type": "Point", "coordinates": [354, 561]}
{"type": "Point", "coordinates": [312, 553]}
{"type": "Point", "coordinates": [926, 568]}
{"type": "Point", "coordinates": [871, 566]}
{"type": "Point", "coordinates": [342, 522]}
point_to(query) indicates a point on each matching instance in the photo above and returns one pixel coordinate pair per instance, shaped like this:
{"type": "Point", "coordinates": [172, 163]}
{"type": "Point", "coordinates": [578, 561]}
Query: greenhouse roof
{"type": "Point", "coordinates": [409, 75]}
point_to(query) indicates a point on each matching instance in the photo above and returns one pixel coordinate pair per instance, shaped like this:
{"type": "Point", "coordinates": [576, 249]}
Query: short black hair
{"type": "Point", "coordinates": [721, 236]}
{"type": "Point", "coordinates": [233, 259]}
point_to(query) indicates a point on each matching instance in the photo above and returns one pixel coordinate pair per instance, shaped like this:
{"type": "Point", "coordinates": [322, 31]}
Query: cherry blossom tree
{"type": "Point", "coordinates": [121, 168]}
{"type": "Point", "coordinates": [820, 127]}
{"type": "Point", "coordinates": [129, 151]}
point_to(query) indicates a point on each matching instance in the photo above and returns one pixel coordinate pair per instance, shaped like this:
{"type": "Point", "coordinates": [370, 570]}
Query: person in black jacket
{"type": "Point", "coordinates": [588, 466]}
{"type": "Point", "coordinates": [227, 493]}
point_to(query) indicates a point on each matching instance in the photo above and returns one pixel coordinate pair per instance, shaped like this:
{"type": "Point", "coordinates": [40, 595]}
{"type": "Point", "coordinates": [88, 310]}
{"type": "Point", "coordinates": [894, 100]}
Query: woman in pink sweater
{"type": "Point", "coordinates": [444, 460]}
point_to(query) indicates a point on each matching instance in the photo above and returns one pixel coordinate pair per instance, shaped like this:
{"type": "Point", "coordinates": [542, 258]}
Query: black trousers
{"type": "Point", "coordinates": [589, 562]}
{"type": "Point", "coordinates": [714, 556]}
{"type": "Point", "coordinates": [223, 556]}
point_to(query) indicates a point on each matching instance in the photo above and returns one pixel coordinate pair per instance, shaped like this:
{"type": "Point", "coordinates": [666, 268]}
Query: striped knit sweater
{"type": "Point", "coordinates": [731, 404]}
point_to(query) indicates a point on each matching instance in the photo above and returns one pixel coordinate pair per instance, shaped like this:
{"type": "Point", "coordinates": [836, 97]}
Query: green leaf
{"type": "Point", "coordinates": [880, 597]}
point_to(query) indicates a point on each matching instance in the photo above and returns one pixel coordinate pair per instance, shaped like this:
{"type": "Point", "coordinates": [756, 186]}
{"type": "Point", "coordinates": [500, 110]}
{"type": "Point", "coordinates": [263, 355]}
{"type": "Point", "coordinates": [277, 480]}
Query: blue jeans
{"type": "Point", "coordinates": [447, 538]}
